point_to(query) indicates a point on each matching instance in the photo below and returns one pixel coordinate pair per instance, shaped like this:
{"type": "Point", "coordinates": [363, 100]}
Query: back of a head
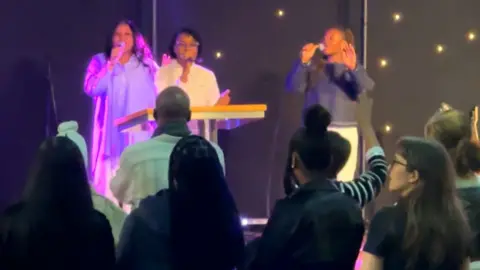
{"type": "Point", "coordinates": [202, 209]}
{"type": "Point", "coordinates": [434, 214]}
{"type": "Point", "coordinates": [311, 141]}
{"type": "Point", "coordinates": [172, 104]}
{"type": "Point", "coordinates": [341, 149]}
{"type": "Point", "coordinates": [58, 178]}
{"type": "Point", "coordinates": [453, 129]}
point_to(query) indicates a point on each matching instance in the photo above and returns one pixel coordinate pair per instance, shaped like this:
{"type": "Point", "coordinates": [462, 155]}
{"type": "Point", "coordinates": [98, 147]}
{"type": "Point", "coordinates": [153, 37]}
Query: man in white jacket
{"type": "Point", "coordinates": [144, 166]}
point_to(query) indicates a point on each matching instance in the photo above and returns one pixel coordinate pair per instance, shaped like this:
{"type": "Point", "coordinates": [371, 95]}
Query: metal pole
{"type": "Point", "coordinates": [364, 60]}
{"type": "Point", "coordinates": [365, 31]}
{"type": "Point", "coordinates": [154, 29]}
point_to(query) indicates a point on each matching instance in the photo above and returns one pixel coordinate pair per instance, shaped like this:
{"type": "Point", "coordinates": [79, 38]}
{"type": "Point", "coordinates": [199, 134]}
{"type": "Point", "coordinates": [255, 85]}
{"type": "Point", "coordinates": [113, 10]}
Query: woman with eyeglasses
{"type": "Point", "coordinates": [184, 71]}
{"type": "Point", "coordinates": [427, 228]}
{"type": "Point", "coordinates": [120, 81]}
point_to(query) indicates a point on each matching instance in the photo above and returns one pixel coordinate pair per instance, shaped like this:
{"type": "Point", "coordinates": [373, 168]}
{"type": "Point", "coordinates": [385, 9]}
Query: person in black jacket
{"type": "Point", "coordinates": [194, 224]}
{"type": "Point", "coordinates": [367, 186]}
{"type": "Point", "coordinates": [316, 226]}
{"type": "Point", "coordinates": [55, 225]}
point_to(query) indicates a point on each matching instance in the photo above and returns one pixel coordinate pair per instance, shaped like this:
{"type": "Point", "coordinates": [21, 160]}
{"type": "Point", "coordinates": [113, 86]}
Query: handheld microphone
{"type": "Point", "coordinates": [320, 47]}
{"type": "Point", "coordinates": [120, 44]}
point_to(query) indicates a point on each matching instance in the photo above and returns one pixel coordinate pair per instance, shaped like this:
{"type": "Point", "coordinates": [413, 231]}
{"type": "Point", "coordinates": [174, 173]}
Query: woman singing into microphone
{"type": "Point", "coordinates": [199, 82]}
{"type": "Point", "coordinates": [120, 81]}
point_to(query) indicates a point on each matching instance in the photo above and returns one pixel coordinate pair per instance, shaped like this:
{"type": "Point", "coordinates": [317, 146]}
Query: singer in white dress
{"type": "Point", "coordinates": [197, 81]}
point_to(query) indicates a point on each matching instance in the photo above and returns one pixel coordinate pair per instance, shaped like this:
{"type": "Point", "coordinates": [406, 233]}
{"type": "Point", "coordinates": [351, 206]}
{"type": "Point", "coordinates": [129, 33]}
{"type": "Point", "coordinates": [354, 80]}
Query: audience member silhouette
{"type": "Point", "coordinates": [368, 185]}
{"type": "Point", "coordinates": [55, 226]}
{"type": "Point", "coordinates": [114, 214]}
{"type": "Point", "coordinates": [316, 226]}
{"type": "Point", "coordinates": [194, 224]}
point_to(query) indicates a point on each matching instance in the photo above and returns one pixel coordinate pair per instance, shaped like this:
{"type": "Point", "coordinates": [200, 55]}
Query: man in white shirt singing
{"type": "Point", "coordinates": [143, 167]}
{"type": "Point", "coordinates": [197, 81]}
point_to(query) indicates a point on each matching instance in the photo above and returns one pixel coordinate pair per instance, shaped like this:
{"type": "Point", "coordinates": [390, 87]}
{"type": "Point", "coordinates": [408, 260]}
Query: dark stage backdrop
{"type": "Point", "coordinates": [258, 47]}
{"type": "Point", "coordinates": [419, 75]}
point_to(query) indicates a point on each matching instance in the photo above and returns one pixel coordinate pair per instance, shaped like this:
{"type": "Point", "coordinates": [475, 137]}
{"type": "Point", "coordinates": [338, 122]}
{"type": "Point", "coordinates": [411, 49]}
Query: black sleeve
{"type": "Point", "coordinates": [140, 247]}
{"type": "Point", "coordinates": [378, 234]}
{"type": "Point", "coordinates": [104, 253]}
{"type": "Point", "coordinates": [277, 233]}
{"type": "Point", "coordinates": [332, 234]}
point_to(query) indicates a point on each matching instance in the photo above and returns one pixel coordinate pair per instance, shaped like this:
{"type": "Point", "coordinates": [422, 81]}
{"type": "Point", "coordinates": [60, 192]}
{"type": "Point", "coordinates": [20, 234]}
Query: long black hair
{"type": "Point", "coordinates": [205, 225]}
{"type": "Point", "coordinates": [311, 143]}
{"type": "Point", "coordinates": [141, 51]}
{"type": "Point", "coordinates": [58, 181]}
{"type": "Point", "coordinates": [187, 31]}
{"type": "Point", "coordinates": [436, 227]}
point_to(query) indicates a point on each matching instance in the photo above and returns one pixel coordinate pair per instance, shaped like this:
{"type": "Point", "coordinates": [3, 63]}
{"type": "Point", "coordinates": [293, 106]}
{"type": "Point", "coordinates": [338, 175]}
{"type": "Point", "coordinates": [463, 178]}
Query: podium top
{"type": "Point", "coordinates": [249, 111]}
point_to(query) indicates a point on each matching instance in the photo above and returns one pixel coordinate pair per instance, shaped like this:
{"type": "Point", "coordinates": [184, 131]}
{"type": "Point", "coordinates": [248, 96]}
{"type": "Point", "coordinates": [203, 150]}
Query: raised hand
{"type": "Point", "coordinates": [166, 60]}
{"type": "Point", "coordinates": [224, 98]}
{"type": "Point", "coordinates": [474, 115]}
{"type": "Point", "coordinates": [307, 52]}
{"type": "Point", "coordinates": [364, 110]}
{"type": "Point", "coordinates": [349, 57]}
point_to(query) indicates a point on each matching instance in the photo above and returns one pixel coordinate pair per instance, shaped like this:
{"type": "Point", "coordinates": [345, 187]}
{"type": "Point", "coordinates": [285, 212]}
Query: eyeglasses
{"type": "Point", "coordinates": [187, 46]}
{"type": "Point", "coordinates": [399, 163]}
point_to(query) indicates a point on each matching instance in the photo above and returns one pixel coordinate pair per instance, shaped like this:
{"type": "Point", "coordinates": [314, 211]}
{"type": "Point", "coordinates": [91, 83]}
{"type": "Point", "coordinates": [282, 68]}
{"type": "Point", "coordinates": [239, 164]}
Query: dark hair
{"type": "Point", "coordinates": [436, 226]}
{"type": "Point", "coordinates": [141, 51]}
{"type": "Point", "coordinates": [341, 149]}
{"type": "Point", "coordinates": [58, 180]}
{"type": "Point", "coordinates": [186, 31]}
{"type": "Point", "coordinates": [453, 129]}
{"type": "Point", "coordinates": [201, 202]}
{"type": "Point", "coordinates": [310, 143]}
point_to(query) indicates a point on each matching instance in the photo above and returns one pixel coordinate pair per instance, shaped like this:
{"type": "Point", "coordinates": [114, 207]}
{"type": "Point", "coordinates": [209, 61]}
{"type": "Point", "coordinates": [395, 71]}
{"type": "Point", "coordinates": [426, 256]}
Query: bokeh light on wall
{"type": "Point", "coordinates": [471, 36]}
{"type": "Point", "coordinates": [279, 13]}
{"type": "Point", "coordinates": [387, 128]}
{"type": "Point", "coordinates": [439, 48]}
{"type": "Point", "coordinates": [382, 62]}
{"type": "Point", "coordinates": [397, 17]}
{"type": "Point", "coordinates": [218, 55]}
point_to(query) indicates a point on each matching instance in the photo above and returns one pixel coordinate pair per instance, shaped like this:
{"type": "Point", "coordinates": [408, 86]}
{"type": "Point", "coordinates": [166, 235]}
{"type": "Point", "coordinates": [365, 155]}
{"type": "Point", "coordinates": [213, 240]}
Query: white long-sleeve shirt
{"type": "Point", "coordinates": [201, 87]}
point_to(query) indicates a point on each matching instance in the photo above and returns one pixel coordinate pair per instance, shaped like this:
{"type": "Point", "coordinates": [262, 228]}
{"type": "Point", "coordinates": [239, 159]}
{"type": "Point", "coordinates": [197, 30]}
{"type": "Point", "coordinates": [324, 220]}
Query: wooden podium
{"type": "Point", "coordinates": [210, 119]}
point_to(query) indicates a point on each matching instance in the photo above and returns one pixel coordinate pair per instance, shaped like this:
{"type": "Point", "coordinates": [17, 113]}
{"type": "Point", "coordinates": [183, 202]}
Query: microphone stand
{"type": "Point", "coordinates": [51, 104]}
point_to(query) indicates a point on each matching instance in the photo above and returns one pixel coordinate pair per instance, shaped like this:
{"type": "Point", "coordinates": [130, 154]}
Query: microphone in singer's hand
{"type": "Point", "coordinates": [320, 47]}
{"type": "Point", "coordinates": [121, 44]}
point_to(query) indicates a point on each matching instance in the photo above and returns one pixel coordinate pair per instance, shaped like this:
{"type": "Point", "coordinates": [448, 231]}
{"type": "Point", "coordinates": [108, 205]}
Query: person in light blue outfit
{"type": "Point", "coordinates": [121, 82]}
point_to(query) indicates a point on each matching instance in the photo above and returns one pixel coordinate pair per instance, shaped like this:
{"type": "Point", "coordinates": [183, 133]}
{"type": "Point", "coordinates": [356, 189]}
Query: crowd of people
{"type": "Point", "coordinates": [191, 221]}
{"type": "Point", "coordinates": [183, 216]}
